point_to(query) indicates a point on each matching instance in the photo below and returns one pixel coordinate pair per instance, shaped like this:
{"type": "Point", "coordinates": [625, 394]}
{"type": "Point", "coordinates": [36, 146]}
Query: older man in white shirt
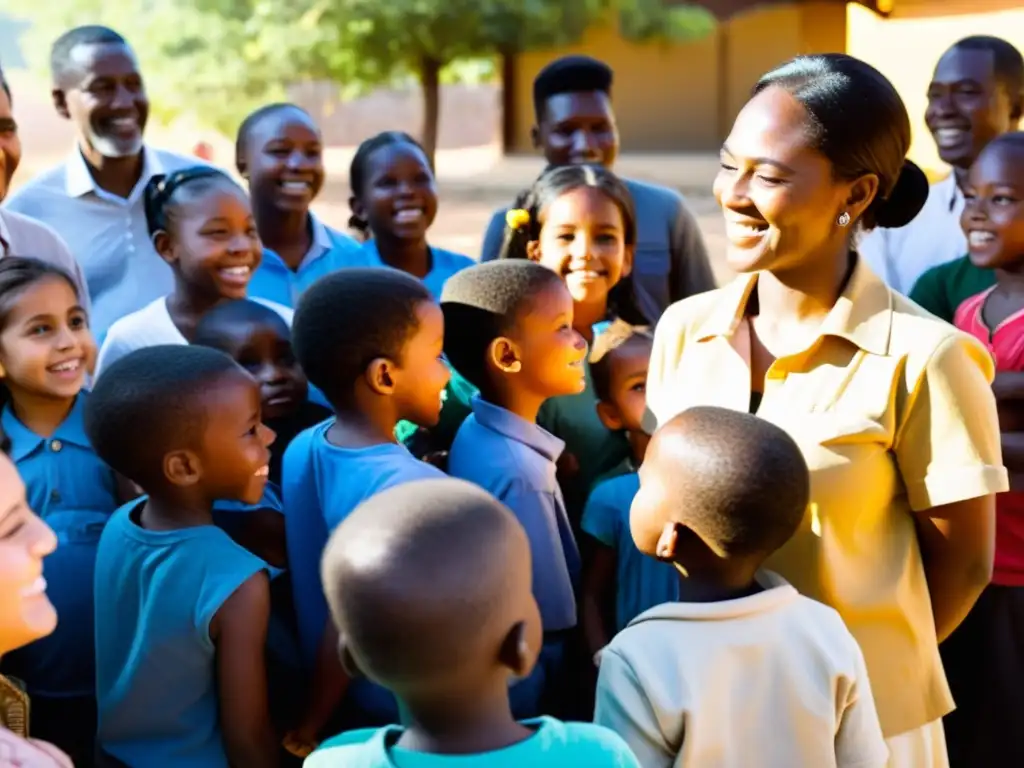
{"type": "Point", "coordinates": [976, 94]}
{"type": "Point", "coordinates": [95, 198]}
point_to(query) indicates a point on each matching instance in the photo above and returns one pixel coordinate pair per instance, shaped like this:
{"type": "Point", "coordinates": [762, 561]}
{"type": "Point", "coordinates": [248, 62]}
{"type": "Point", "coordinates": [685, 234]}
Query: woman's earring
{"type": "Point", "coordinates": [844, 219]}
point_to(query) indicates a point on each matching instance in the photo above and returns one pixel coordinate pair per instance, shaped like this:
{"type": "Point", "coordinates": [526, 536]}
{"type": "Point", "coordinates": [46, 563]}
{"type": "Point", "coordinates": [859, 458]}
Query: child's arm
{"type": "Point", "coordinates": [239, 631]}
{"type": "Point", "coordinates": [623, 706]}
{"type": "Point", "coordinates": [859, 740]}
{"type": "Point", "coordinates": [261, 531]}
{"type": "Point", "coordinates": [330, 681]}
{"type": "Point", "coordinates": [598, 592]}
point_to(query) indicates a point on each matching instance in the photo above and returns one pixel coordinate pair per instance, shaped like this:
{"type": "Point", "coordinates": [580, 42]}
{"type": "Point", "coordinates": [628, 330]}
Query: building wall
{"type": "Point", "coordinates": [907, 45]}
{"type": "Point", "coordinates": [684, 96]}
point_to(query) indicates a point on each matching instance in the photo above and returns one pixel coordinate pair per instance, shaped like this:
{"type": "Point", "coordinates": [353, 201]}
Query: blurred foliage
{"type": "Point", "coordinates": [218, 59]}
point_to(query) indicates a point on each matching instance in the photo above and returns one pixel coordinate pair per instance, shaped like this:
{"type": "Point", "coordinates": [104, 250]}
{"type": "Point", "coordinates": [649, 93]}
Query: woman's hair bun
{"type": "Point", "coordinates": [906, 199]}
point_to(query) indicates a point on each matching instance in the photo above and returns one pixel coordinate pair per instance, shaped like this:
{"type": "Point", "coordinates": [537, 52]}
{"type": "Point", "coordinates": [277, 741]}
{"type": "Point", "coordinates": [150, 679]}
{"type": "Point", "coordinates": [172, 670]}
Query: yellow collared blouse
{"type": "Point", "coordinates": [894, 413]}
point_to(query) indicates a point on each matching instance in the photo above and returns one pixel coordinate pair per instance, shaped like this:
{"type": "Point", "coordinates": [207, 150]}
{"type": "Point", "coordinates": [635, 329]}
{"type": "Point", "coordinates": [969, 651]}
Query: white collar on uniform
{"type": "Point", "coordinates": [78, 181]}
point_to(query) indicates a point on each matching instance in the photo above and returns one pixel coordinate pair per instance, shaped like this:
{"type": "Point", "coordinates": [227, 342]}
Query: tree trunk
{"type": "Point", "coordinates": [430, 80]}
{"type": "Point", "coordinates": [508, 101]}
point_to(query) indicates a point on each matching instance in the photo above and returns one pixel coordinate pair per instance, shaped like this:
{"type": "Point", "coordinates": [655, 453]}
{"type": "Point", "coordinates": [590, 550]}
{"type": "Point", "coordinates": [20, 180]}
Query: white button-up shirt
{"type": "Point", "coordinates": [934, 237]}
{"type": "Point", "coordinates": [106, 233]}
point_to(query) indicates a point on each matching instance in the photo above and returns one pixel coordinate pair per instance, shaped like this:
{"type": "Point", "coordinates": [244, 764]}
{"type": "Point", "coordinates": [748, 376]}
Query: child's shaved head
{"type": "Point", "coordinates": [429, 584]}
{"type": "Point", "coordinates": [737, 482]}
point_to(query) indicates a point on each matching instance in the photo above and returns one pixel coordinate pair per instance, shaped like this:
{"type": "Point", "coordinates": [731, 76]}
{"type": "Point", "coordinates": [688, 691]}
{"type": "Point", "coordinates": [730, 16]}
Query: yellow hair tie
{"type": "Point", "coordinates": [517, 218]}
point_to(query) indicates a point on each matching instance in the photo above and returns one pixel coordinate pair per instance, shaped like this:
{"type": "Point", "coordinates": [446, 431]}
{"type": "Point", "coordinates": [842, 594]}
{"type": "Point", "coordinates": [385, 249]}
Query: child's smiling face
{"type": "Point", "coordinates": [46, 347]}
{"type": "Point", "coordinates": [284, 160]}
{"type": "Point", "coordinates": [993, 217]}
{"type": "Point", "coordinates": [422, 372]}
{"type": "Point", "coordinates": [400, 196]}
{"type": "Point", "coordinates": [215, 248]}
{"type": "Point", "coordinates": [627, 384]}
{"type": "Point", "coordinates": [583, 238]}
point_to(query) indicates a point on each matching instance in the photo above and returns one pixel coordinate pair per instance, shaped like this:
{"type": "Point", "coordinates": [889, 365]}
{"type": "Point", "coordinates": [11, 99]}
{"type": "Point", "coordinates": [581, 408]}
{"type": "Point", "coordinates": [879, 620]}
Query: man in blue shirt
{"type": "Point", "coordinates": [576, 124]}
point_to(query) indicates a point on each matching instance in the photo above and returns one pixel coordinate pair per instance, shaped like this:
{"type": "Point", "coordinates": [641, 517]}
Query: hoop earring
{"type": "Point", "coordinates": [844, 219]}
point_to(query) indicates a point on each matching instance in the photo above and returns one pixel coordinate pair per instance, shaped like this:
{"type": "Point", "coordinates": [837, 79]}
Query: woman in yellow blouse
{"type": "Point", "coordinates": [25, 615]}
{"type": "Point", "coordinates": [892, 408]}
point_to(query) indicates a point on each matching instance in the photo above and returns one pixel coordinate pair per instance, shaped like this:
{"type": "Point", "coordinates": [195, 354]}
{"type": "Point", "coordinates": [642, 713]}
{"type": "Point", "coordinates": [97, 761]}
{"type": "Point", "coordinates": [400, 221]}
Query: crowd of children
{"type": "Point", "coordinates": [364, 502]}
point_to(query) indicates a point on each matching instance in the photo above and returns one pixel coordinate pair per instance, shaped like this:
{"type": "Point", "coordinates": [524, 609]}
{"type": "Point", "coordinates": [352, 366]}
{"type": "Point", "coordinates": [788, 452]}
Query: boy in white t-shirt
{"type": "Point", "coordinates": [742, 671]}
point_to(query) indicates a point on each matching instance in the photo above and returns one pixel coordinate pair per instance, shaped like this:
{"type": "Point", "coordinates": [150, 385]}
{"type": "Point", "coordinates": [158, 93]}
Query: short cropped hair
{"type": "Point", "coordinates": [149, 403]}
{"type": "Point", "coordinates": [400, 628]}
{"type": "Point", "coordinates": [482, 303]}
{"type": "Point", "coordinates": [741, 483]}
{"type": "Point", "coordinates": [1008, 64]}
{"type": "Point", "coordinates": [65, 45]}
{"type": "Point", "coordinates": [215, 326]}
{"type": "Point", "coordinates": [570, 74]}
{"type": "Point", "coordinates": [350, 317]}
{"type": "Point", "coordinates": [619, 334]}
{"type": "Point", "coordinates": [250, 123]}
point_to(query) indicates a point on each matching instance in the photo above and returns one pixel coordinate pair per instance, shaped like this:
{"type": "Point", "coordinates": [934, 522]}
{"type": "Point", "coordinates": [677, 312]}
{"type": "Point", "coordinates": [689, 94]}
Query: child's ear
{"type": "Point", "coordinates": [182, 468]}
{"type": "Point", "coordinates": [380, 376]}
{"type": "Point", "coordinates": [516, 653]}
{"type": "Point", "coordinates": [356, 206]}
{"type": "Point", "coordinates": [627, 261]}
{"type": "Point", "coordinates": [162, 245]}
{"type": "Point", "coordinates": [503, 354]}
{"type": "Point", "coordinates": [668, 541]}
{"type": "Point", "coordinates": [609, 416]}
{"type": "Point", "coordinates": [348, 661]}
{"type": "Point", "coordinates": [60, 103]}
{"type": "Point", "coordinates": [533, 250]}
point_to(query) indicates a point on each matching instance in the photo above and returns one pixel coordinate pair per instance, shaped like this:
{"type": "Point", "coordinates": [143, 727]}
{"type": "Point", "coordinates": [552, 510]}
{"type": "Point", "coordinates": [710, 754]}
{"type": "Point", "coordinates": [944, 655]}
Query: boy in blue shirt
{"type": "Point", "coordinates": [181, 609]}
{"type": "Point", "coordinates": [371, 340]}
{"type": "Point", "coordinates": [446, 645]}
{"type": "Point", "coordinates": [508, 331]}
{"type": "Point", "coordinates": [617, 573]}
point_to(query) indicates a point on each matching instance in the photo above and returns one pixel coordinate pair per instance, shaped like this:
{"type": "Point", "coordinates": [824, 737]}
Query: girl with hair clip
{"type": "Point", "coordinates": [202, 225]}
{"type": "Point", "coordinates": [46, 351]}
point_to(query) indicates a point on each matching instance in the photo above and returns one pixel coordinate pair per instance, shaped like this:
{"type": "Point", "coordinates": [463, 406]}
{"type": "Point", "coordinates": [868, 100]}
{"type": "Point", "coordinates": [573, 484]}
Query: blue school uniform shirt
{"type": "Point", "coordinates": [276, 281]}
{"type": "Point", "coordinates": [75, 493]}
{"type": "Point", "coordinates": [322, 485]}
{"type": "Point", "coordinates": [554, 744]}
{"type": "Point", "coordinates": [515, 461]}
{"type": "Point", "coordinates": [642, 582]}
{"type": "Point", "coordinates": [443, 264]}
{"type": "Point", "coordinates": [156, 684]}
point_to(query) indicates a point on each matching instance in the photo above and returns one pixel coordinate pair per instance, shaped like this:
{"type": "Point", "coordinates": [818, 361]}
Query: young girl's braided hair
{"type": "Point", "coordinates": [523, 225]}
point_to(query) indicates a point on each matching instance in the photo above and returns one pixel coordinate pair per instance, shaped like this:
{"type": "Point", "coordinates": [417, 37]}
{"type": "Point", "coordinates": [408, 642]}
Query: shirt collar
{"type": "Point", "coordinates": [776, 593]}
{"type": "Point", "coordinates": [24, 441]}
{"type": "Point", "coordinates": [949, 191]}
{"type": "Point", "coordinates": [506, 423]}
{"type": "Point", "coordinates": [78, 181]}
{"type": "Point", "coordinates": [5, 237]}
{"type": "Point", "coordinates": [862, 315]}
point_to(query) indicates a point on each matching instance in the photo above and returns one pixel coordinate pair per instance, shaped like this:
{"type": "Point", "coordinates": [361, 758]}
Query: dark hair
{"type": "Point", "coordinates": [558, 180]}
{"type": "Point", "coordinates": [64, 46]}
{"type": "Point", "coordinates": [150, 402]}
{"type": "Point", "coordinates": [1013, 138]}
{"type": "Point", "coordinates": [16, 274]}
{"type": "Point", "coordinates": [216, 324]}
{"type": "Point", "coordinates": [250, 123]}
{"type": "Point", "coordinates": [358, 169]}
{"type": "Point", "coordinates": [858, 121]}
{"type": "Point", "coordinates": [1008, 64]}
{"type": "Point", "coordinates": [570, 74]}
{"type": "Point", "coordinates": [748, 487]}
{"type": "Point", "coordinates": [480, 304]}
{"type": "Point", "coordinates": [350, 317]}
{"type": "Point", "coordinates": [618, 335]}
{"type": "Point", "coordinates": [393, 599]}
{"type": "Point", "coordinates": [159, 196]}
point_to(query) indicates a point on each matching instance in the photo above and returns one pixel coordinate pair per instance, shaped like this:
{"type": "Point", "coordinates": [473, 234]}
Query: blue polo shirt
{"type": "Point", "coordinates": [323, 484]}
{"type": "Point", "coordinates": [443, 264]}
{"type": "Point", "coordinates": [276, 281]}
{"type": "Point", "coordinates": [75, 493]}
{"type": "Point", "coordinates": [642, 582]}
{"type": "Point", "coordinates": [515, 461]}
{"type": "Point", "coordinates": [554, 744]}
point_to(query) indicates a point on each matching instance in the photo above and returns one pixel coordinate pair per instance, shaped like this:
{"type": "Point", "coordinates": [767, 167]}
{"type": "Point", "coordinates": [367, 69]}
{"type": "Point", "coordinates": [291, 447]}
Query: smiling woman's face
{"type": "Point", "coordinates": [779, 196]}
{"type": "Point", "coordinates": [26, 613]}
